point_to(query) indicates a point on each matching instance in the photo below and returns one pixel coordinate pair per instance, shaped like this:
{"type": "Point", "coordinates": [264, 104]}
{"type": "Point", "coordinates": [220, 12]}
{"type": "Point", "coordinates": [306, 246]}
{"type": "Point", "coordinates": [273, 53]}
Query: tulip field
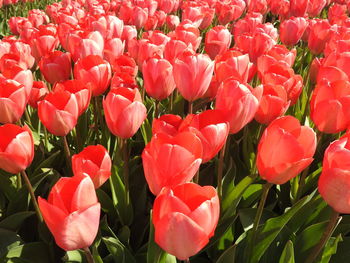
{"type": "Point", "coordinates": [165, 131]}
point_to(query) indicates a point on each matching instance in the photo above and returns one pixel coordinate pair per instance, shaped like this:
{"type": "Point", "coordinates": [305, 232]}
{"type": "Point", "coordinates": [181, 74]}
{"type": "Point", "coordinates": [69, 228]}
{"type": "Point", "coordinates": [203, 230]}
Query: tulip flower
{"type": "Point", "coordinates": [239, 102]}
{"type": "Point", "coordinates": [334, 182]}
{"type": "Point", "coordinates": [13, 100]}
{"type": "Point", "coordinates": [192, 74]}
{"type": "Point", "coordinates": [319, 34]}
{"type": "Point", "coordinates": [217, 41]}
{"type": "Point", "coordinates": [158, 78]}
{"type": "Point", "coordinates": [56, 66]}
{"type": "Point", "coordinates": [292, 29]}
{"type": "Point", "coordinates": [82, 92]}
{"type": "Point", "coordinates": [124, 111]}
{"type": "Point", "coordinates": [169, 161]}
{"type": "Point", "coordinates": [72, 212]}
{"type": "Point", "coordinates": [58, 111]}
{"type": "Point", "coordinates": [330, 106]}
{"type": "Point", "coordinates": [38, 92]}
{"type": "Point", "coordinates": [211, 128]}
{"type": "Point", "coordinates": [184, 218]}
{"type": "Point", "coordinates": [16, 148]}
{"type": "Point", "coordinates": [168, 124]}
{"type": "Point", "coordinates": [293, 149]}
{"type": "Point", "coordinates": [93, 161]}
{"type": "Point", "coordinates": [95, 70]}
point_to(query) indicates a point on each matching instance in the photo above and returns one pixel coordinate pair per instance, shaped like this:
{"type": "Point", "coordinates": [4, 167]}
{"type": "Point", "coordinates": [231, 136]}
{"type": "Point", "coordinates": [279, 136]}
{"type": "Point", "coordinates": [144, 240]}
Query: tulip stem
{"type": "Point", "coordinates": [66, 152]}
{"type": "Point", "coordinates": [126, 168]}
{"type": "Point", "coordinates": [88, 255]}
{"type": "Point", "coordinates": [32, 195]}
{"type": "Point", "coordinates": [220, 170]}
{"type": "Point", "coordinates": [156, 109]}
{"type": "Point", "coordinates": [19, 181]}
{"type": "Point", "coordinates": [333, 221]}
{"type": "Point", "coordinates": [196, 177]}
{"type": "Point", "coordinates": [187, 260]}
{"type": "Point", "coordinates": [190, 107]}
{"type": "Point", "coordinates": [46, 138]}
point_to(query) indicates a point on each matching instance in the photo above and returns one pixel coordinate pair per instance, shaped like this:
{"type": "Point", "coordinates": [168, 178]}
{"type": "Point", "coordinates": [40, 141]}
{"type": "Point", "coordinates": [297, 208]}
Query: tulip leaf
{"type": "Point", "coordinates": [118, 250]}
{"type": "Point", "coordinates": [330, 248]}
{"type": "Point", "coordinates": [146, 131]}
{"type": "Point", "coordinates": [267, 233]}
{"type": "Point", "coordinates": [8, 239]}
{"type": "Point", "coordinates": [288, 253]}
{"type": "Point", "coordinates": [47, 163]}
{"type": "Point", "coordinates": [228, 255]}
{"type": "Point", "coordinates": [74, 256]}
{"type": "Point", "coordinates": [14, 222]}
{"type": "Point", "coordinates": [343, 251]}
{"type": "Point", "coordinates": [35, 252]}
{"type": "Point", "coordinates": [107, 205]}
{"type": "Point", "coordinates": [7, 186]}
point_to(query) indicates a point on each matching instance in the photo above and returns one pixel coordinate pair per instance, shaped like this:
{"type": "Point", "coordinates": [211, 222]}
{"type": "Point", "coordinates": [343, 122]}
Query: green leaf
{"type": "Point", "coordinates": [15, 221]}
{"type": "Point", "coordinates": [8, 239]}
{"type": "Point", "coordinates": [107, 205]}
{"type": "Point", "coordinates": [36, 252]}
{"type": "Point", "coordinates": [120, 253]}
{"type": "Point", "coordinates": [268, 232]}
{"type": "Point", "coordinates": [247, 217]}
{"type": "Point", "coordinates": [47, 163]}
{"type": "Point", "coordinates": [74, 256]}
{"type": "Point", "coordinates": [288, 253]}
{"type": "Point", "coordinates": [252, 193]}
{"type": "Point", "coordinates": [7, 186]}
{"type": "Point", "coordinates": [228, 255]}
{"type": "Point", "coordinates": [330, 248]}
{"type": "Point", "coordinates": [343, 251]}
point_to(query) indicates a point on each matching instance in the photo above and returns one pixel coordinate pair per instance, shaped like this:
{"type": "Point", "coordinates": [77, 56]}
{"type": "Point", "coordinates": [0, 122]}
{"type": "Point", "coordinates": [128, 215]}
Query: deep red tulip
{"type": "Point", "coordinates": [16, 148]}
{"type": "Point", "coordinates": [72, 212]}
{"type": "Point", "coordinates": [334, 182]}
{"type": "Point", "coordinates": [169, 161]}
{"type": "Point", "coordinates": [184, 218]}
{"type": "Point", "coordinates": [95, 70]}
{"type": "Point", "coordinates": [192, 74]}
{"type": "Point", "coordinates": [239, 102]}
{"type": "Point", "coordinates": [94, 161]}
{"type": "Point", "coordinates": [58, 111]}
{"type": "Point", "coordinates": [211, 127]}
{"type": "Point", "coordinates": [82, 92]}
{"type": "Point", "coordinates": [56, 66]}
{"type": "Point", "coordinates": [124, 111]}
{"type": "Point", "coordinates": [292, 151]}
{"type": "Point", "coordinates": [13, 100]}
{"type": "Point", "coordinates": [158, 78]}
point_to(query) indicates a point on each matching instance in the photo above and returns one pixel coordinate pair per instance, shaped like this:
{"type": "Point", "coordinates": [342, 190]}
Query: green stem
{"type": "Point", "coordinates": [32, 195]}
{"type": "Point", "coordinates": [156, 109]}
{"type": "Point", "coordinates": [46, 138]}
{"type": "Point", "coordinates": [67, 152]}
{"type": "Point", "coordinates": [325, 237]}
{"type": "Point", "coordinates": [190, 107]}
{"type": "Point", "coordinates": [220, 170]}
{"type": "Point", "coordinates": [126, 168]}
{"type": "Point", "coordinates": [19, 181]}
{"type": "Point", "coordinates": [88, 255]}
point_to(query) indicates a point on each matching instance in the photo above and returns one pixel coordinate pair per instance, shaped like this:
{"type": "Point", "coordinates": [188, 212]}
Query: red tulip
{"type": "Point", "coordinates": [292, 29]}
{"type": "Point", "coordinates": [217, 41]}
{"type": "Point", "coordinates": [330, 106]}
{"type": "Point", "coordinates": [184, 218]}
{"type": "Point", "coordinates": [124, 111]}
{"type": "Point", "coordinates": [292, 151]}
{"type": "Point", "coordinates": [192, 74]}
{"type": "Point", "coordinates": [113, 49]}
{"type": "Point", "coordinates": [13, 100]}
{"type": "Point", "coordinates": [298, 8]}
{"type": "Point", "coordinates": [334, 182]}
{"type": "Point", "coordinates": [72, 212]}
{"type": "Point", "coordinates": [228, 11]}
{"type": "Point", "coordinates": [56, 66]}
{"type": "Point", "coordinates": [211, 128]}
{"type": "Point", "coordinates": [58, 111]}
{"type": "Point", "coordinates": [95, 162]}
{"type": "Point", "coordinates": [174, 48]}
{"type": "Point", "coordinates": [37, 17]}
{"type": "Point", "coordinates": [319, 34]}
{"type": "Point", "coordinates": [95, 70]}
{"type": "Point", "coordinates": [239, 102]}
{"type": "Point", "coordinates": [38, 92]}
{"type": "Point", "coordinates": [16, 148]}
{"type": "Point", "coordinates": [169, 161]}
{"type": "Point", "coordinates": [168, 124]}
{"type": "Point", "coordinates": [158, 78]}
{"type": "Point", "coordinates": [83, 44]}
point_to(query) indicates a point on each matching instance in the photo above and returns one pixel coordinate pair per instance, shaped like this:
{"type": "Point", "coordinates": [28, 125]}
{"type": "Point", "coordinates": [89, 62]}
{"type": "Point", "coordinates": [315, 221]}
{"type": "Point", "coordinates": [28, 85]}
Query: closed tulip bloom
{"type": "Point", "coordinates": [38, 92]}
{"type": "Point", "coordinates": [184, 218]}
{"type": "Point", "coordinates": [211, 127]}
{"type": "Point", "coordinates": [228, 11]}
{"type": "Point", "coordinates": [217, 41]}
{"type": "Point", "coordinates": [298, 8]}
{"type": "Point", "coordinates": [192, 74]}
{"type": "Point", "coordinates": [16, 148]}
{"type": "Point", "coordinates": [56, 66]}
{"type": "Point", "coordinates": [169, 161]}
{"type": "Point", "coordinates": [13, 100]}
{"type": "Point", "coordinates": [239, 102]}
{"type": "Point", "coordinates": [174, 48]}
{"type": "Point", "coordinates": [330, 106]}
{"type": "Point", "coordinates": [292, 29]}
{"type": "Point", "coordinates": [72, 212]}
{"type": "Point", "coordinates": [94, 161]}
{"type": "Point", "coordinates": [95, 70]}
{"type": "Point", "coordinates": [83, 44]}
{"type": "Point", "coordinates": [58, 111]}
{"type": "Point", "coordinates": [24, 77]}
{"type": "Point", "coordinates": [334, 182]}
{"type": "Point", "coordinates": [124, 111]}
{"type": "Point", "coordinates": [113, 49]}
{"type": "Point", "coordinates": [293, 149]}
{"type": "Point", "coordinates": [82, 92]}
{"type": "Point", "coordinates": [319, 34]}
{"type": "Point", "coordinates": [158, 78]}
{"type": "Point", "coordinates": [168, 124]}
{"type": "Point", "coordinates": [274, 103]}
